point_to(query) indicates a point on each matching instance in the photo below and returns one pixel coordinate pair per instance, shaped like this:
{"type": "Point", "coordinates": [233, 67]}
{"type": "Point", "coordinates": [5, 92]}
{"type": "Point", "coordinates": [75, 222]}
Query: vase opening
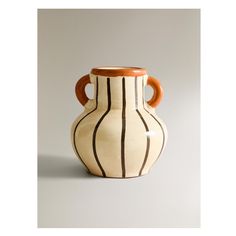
{"type": "Point", "coordinates": [114, 71]}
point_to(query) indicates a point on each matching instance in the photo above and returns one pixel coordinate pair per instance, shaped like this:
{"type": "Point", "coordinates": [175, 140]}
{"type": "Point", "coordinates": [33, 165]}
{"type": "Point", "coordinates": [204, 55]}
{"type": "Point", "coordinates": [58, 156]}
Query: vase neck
{"type": "Point", "coordinates": [119, 92]}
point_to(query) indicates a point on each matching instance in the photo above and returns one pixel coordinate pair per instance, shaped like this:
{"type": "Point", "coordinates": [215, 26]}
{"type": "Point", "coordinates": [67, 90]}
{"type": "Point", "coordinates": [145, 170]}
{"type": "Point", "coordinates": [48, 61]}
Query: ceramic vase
{"type": "Point", "coordinates": [118, 135]}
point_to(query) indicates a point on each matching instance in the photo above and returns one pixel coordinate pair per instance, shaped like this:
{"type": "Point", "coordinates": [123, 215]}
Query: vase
{"type": "Point", "coordinates": [118, 135]}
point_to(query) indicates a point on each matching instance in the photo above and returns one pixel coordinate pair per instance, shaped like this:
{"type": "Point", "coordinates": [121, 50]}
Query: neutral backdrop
{"type": "Point", "coordinates": [167, 44]}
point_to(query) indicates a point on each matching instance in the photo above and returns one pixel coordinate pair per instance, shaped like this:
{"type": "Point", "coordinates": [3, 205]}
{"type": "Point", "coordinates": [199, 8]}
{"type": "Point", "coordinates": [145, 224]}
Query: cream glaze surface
{"type": "Point", "coordinates": [118, 134]}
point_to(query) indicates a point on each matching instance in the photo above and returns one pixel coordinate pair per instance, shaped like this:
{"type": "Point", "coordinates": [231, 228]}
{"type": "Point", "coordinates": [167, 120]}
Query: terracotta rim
{"type": "Point", "coordinates": [118, 71]}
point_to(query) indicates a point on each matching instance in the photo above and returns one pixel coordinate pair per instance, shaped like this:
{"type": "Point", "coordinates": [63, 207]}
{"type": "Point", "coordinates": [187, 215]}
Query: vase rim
{"type": "Point", "coordinates": [114, 71]}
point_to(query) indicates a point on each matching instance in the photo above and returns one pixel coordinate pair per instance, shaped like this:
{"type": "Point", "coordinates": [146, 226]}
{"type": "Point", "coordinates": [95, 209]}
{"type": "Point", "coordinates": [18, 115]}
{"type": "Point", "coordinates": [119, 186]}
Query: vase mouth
{"type": "Point", "coordinates": [114, 71]}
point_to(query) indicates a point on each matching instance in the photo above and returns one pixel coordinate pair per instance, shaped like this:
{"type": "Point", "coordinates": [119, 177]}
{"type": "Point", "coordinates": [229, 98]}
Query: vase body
{"type": "Point", "coordinates": [118, 135]}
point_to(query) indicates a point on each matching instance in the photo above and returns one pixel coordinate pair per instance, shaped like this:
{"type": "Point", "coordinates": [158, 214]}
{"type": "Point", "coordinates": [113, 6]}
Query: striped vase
{"type": "Point", "coordinates": [118, 135]}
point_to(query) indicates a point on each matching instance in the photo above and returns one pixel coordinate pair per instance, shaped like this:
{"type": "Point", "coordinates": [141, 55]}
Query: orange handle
{"type": "Point", "coordinates": [158, 92]}
{"type": "Point", "coordinates": [80, 89]}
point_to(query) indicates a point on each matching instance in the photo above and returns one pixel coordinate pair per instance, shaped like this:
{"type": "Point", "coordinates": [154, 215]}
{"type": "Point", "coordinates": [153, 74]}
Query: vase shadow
{"type": "Point", "coordinates": [61, 167]}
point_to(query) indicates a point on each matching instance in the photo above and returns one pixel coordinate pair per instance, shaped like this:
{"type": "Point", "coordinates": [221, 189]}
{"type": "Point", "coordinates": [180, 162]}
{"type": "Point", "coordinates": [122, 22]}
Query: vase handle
{"type": "Point", "coordinates": [80, 89]}
{"type": "Point", "coordinates": [158, 92]}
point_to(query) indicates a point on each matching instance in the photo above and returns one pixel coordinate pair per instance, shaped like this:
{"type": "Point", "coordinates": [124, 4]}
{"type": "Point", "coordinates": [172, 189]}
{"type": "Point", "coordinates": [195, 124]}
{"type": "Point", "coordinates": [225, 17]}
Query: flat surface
{"type": "Point", "coordinates": [70, 197]}
{"type": "Point", "coordinates": [167, 44]}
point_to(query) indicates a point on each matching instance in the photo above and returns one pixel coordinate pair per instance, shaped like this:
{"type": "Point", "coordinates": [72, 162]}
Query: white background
{"type": "Point", "coordinates": [167, 44]}
{"type": "Point", "coordinates": [18, 164]}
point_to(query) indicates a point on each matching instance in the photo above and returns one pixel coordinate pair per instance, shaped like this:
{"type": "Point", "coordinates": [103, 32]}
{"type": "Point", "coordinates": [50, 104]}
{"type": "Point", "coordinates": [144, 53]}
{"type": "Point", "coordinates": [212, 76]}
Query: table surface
{"type": "Point", "coordinates": [69, 197]}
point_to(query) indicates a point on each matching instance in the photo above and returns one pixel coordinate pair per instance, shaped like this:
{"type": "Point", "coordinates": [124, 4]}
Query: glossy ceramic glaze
{"type": "Point", "coordinates": [118, 134]}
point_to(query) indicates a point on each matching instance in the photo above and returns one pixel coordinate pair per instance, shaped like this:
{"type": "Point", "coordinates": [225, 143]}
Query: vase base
{"type": "Point", "coordinates": [118, 177]}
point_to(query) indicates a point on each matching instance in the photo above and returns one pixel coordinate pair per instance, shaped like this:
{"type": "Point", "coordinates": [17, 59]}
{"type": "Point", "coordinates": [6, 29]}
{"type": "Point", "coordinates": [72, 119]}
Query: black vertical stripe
{"type": "Point", "coordinates": [148, 143]}
{"type": "Point", "coordinates": [123, 129]}
{"type": "Point", "coordinates": [76, 150]}
{"type": "Point", "coordinates": [145, 125]}
{"type": "Point", "coordinates": [163, 143]}
{"type": "Point", "coordinates": [98, 124]}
